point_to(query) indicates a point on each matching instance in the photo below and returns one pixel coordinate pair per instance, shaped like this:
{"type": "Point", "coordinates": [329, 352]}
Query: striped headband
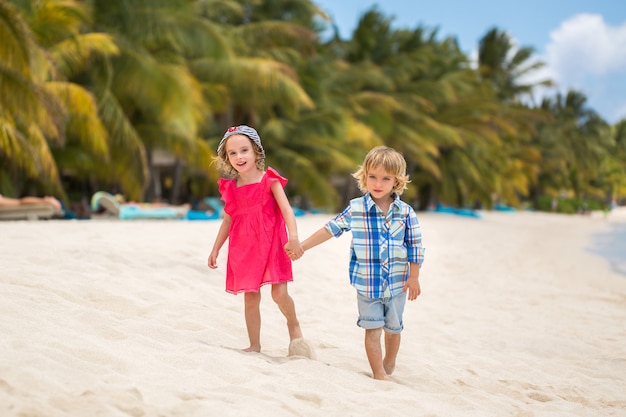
{"type": "Point", "coordinates": [242, 130]}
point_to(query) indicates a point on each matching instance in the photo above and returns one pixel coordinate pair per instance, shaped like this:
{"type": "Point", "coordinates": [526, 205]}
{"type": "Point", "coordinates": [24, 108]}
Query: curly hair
{"type": "Point", "coordinates": [388, 159]}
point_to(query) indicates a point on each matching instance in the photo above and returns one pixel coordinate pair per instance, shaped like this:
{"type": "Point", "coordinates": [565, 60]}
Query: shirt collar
{"type": "Point", "coordinates": [369, 201]}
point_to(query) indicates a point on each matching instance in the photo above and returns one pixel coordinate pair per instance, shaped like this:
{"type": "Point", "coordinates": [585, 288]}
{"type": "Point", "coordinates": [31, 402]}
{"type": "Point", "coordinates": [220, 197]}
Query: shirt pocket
{"type": "Point", "coordinates": [397, 230]}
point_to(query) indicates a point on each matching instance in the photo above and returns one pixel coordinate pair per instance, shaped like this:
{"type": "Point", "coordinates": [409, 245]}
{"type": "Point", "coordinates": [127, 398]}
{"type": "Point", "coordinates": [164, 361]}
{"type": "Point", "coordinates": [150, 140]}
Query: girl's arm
{"type": "Point", "coordinates": [293, 245]}
{"type": "Point", "coordinates": [221, 237]}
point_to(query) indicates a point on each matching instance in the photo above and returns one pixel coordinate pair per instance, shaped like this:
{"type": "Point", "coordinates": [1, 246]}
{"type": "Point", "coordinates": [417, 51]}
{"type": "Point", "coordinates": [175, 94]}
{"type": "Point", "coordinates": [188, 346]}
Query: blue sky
{"type": "Point", "coordinates": [583, 43]}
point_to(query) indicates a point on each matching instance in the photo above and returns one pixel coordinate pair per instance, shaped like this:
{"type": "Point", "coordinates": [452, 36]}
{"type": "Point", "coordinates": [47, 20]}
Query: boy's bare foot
{"type": "Point", "coordinates": [382, 376]}
{"type": "Point", "coordinates": [389, 367]}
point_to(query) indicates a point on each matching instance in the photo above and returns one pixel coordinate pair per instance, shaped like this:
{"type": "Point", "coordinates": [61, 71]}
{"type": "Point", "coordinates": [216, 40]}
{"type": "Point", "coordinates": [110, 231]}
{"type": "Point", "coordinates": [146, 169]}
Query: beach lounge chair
{"type": "Point", "coordinates": [105, 201]}
{"type": "Point", "coordinates": [35, 211]}
{"type": "Point", "coordinates": [216, 210]}
{"type": "Point", "coordinates": [128, 211]}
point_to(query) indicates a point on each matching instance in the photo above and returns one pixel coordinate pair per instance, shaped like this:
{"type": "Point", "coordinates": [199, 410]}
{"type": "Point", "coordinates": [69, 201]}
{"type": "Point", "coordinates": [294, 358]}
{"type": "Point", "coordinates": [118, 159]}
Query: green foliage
{"type": "Point", "coordinates": [93, 91]}
{"type": "Point", "coordinates": [569, 205]}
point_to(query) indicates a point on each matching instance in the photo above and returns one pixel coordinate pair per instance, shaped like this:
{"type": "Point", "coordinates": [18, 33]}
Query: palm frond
{"type": "Point", "coordinates": [73, 55]}
{"type": "Point", "coordinates": [251, 81]}
{"type": "Point", "coordinates": [84, 125]}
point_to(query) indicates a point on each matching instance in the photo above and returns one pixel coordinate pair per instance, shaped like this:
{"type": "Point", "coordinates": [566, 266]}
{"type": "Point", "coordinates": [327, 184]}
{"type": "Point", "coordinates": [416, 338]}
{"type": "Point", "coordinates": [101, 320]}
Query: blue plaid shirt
{"type": "Point", "coordinates": [382, 246]}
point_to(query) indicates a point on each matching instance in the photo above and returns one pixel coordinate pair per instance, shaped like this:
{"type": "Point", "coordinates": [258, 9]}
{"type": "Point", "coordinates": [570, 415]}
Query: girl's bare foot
{"type": "Point", "coordinates": [253, 349]}
{"type": "Point", "coordinates": [300, 347]}
{"type": "Point", "coordinates": [294, 330]}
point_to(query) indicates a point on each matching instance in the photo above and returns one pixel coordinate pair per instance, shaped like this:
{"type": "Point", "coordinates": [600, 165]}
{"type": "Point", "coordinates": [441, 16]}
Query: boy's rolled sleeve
{"type": "Point", "coordinates": [339, 224]}
{"type": "Point", "coordinates": [333, 229]}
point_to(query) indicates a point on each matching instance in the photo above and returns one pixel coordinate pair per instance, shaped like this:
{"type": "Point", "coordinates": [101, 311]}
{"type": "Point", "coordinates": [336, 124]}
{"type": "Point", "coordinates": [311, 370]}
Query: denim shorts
{"type": "Point", "coordinates": [375, 313]}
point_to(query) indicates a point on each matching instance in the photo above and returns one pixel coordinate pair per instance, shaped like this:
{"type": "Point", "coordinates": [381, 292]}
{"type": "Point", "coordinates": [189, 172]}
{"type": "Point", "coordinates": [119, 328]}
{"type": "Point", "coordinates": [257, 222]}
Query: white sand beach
{"type": "Point", "coordinates": [123, 318]}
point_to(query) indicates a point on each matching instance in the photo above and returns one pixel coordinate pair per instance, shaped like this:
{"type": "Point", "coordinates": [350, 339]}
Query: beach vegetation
{"type": "Point", "coordinates": [133, 97]}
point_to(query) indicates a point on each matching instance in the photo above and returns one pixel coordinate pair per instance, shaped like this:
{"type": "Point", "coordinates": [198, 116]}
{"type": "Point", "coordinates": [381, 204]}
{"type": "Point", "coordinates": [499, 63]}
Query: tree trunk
{"type": "Point", "coordinates": [153, 191]}
{"type": "Point", "coordinates": [177, 182]}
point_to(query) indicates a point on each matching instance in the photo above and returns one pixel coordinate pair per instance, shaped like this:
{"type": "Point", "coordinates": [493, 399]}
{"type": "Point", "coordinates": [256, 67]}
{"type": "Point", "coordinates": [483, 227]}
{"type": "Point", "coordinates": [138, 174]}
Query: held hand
{"type": "Point", "coordinates": [412, 286]}
{"type": "Point", "coordinates": [294, 249]}
{"type": "Point", "coordinates": [292, 256]}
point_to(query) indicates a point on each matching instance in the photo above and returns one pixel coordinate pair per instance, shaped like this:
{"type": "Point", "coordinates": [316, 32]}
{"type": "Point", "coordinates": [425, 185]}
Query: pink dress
{"type": "Point", "coordinates": [257, 235]}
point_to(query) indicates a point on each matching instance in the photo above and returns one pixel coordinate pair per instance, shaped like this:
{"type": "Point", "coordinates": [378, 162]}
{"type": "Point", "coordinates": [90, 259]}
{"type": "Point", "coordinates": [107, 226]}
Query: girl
{"type": "Point", "coordinates": [257, 217]}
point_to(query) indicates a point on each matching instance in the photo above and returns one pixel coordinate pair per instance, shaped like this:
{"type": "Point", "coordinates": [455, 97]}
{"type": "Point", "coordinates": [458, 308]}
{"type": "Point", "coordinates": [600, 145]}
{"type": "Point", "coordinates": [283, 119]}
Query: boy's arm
{"type": "Point", "coordinates": [415, 252]}
{"type": "Point", "coordinates": [412, 285]}
{"type": "Point", "coordinates": [321, 236]}
{"type": "Point", "coordinates": [334, 228]}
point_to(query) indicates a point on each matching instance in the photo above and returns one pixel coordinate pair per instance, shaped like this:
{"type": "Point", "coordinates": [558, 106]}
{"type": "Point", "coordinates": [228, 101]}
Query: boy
{"type": "Point", "coordinates": [386, 253]}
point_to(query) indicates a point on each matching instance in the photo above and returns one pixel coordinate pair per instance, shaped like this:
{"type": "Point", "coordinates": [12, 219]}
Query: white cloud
{"type": "Point", "coordinates": [588, 55]}
{"type": "Point", "coordinates": [586, 46]}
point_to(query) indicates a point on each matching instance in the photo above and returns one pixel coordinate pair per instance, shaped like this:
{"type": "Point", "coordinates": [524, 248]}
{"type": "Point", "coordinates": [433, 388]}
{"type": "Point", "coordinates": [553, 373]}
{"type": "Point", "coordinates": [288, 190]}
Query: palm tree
{"type": "Point", "coordinates": [505, 66]}
{"type": "Point", "coordinates": [574, 146]}
{"type": "Point", "coordinates": [369, 85]}
{"type": "Point", "coordinates": [614, 169]}
{"type": "Point", "coordinates": [151, 92]}
{"type": "Point", "coordinates": [265, 85]}
{"type": "Point", "coordinates": [62, 29]}
{"type": "Point", "coordinates": [25, 118]}
{"type": "Point", "coordinates": [41, 112]}
{"type": "Point", "coordinates": [420, 96]}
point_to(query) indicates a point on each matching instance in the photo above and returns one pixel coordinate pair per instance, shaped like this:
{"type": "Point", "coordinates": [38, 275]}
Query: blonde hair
{"type": "Point", "coordinates": [224, 165]}
{"type": "Point", "coordinates": [388, 159]}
